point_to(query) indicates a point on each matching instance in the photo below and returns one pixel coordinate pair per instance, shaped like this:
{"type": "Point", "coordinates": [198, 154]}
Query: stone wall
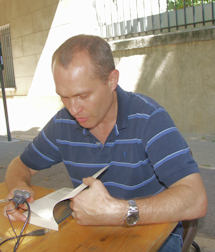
{"type": "Point", "coordinates": [37, 29]}
{"type": "Point", "coordinates": [29, 22]}
{"type": "Point", "coordinates": [174, 68]}
{"type": "Point", "coordinates": [177, 70]}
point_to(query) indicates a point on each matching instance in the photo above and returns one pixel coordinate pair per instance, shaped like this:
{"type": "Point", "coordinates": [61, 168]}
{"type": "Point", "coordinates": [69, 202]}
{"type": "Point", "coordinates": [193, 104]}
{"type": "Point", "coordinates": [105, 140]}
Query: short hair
{"type": "Point", "coordinates": [97, 48]}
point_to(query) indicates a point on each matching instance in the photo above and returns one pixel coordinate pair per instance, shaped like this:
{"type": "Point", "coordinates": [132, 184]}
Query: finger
{"type": "Point", "coordinates": [13, 214]}
{"type": "Point", "coordinates": [23, 206]}
{"type": "Point", "coordinates": [71, 204]}
{"type": "Point", "coordinates": [10, 195]}
{"type": "Point", "coordinates": [73, 214]}
{"type": "Point", "coordinates": [30, 199]}
{"type": "Point", "coordinates": [89, 181]}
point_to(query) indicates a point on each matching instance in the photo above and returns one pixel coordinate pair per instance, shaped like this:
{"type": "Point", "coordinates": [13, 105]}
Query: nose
{"type": "Point", "coordinates": [74, 106]}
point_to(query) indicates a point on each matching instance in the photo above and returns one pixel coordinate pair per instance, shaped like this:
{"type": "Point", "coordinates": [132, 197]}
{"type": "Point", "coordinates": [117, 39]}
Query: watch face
{"type": "Point", "coordinates": [132, 219]}
{"type": "Point", "coordinates": [133, 213]}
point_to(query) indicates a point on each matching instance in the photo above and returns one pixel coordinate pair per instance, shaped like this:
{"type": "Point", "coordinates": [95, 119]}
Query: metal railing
{"type": "Point", "coordinates": [129, 18]}
{"type": "Point", "coordinates": [6, 54]}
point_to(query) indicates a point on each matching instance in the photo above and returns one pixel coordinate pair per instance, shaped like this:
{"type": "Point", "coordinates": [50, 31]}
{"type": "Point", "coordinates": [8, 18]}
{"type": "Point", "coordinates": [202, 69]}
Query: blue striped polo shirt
{"type": "Point", "coordinates": [145, 150]}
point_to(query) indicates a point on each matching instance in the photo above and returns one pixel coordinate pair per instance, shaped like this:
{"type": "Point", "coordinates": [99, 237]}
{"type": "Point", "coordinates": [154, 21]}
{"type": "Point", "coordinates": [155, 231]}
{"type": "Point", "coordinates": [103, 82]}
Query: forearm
{"type": "Point", "coordinates": [168, 206]}
{"type": "Point", "coordinates": [186, 199]}
{"type": "Point", "coordinates": [183, 201]}
{"type": "Point", "coordinates": [17, 175]}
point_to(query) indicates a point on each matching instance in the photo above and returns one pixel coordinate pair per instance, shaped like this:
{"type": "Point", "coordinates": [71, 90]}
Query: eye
{"type": "Point", "coordinates": [63, 98]}
{"type": "Point", "coordinates": [83, 96]}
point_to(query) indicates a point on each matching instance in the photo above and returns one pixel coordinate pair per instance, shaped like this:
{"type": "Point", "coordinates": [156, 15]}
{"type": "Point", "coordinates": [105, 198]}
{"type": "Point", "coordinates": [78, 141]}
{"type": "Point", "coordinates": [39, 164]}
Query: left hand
{"type": "Point", "coordinates": [95, 206]}
{"type": "Point", "coordinates": [14, 213]}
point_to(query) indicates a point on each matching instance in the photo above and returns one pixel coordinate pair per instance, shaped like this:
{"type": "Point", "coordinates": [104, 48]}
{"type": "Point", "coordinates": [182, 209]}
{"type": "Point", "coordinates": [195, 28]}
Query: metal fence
{"type": "Point", "coordinates": [6, 49]}
{"type": "Point", "coordinates": [138, 17]}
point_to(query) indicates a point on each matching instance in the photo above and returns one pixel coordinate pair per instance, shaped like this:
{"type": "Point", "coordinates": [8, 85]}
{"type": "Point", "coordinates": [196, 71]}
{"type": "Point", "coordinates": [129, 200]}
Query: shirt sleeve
{"type": "Point", "coordinates": [43, 152]}
{"type": "Point", "coordinates": [167, 150]}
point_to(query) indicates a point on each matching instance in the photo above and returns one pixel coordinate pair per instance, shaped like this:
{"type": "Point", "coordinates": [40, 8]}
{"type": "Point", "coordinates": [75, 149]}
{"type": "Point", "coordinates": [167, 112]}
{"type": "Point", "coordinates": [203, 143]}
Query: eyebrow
{"type": "Point", "coordinates": [59, 94]}
{"type": "Point", "coordinates": [78, 94]}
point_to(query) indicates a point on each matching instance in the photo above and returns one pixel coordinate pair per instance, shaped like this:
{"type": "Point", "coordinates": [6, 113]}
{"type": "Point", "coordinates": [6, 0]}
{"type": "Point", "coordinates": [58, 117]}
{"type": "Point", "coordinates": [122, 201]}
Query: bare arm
{"type": "Point", "coordinates": [186, 199]}
{"type": "Point", "coordinates": [18, 176]}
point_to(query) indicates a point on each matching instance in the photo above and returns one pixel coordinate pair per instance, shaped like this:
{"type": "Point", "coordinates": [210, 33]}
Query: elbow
{"type": "Point", "coordinates": [201, 206]}
{"type": "Point", "coordinates": [198, 207]}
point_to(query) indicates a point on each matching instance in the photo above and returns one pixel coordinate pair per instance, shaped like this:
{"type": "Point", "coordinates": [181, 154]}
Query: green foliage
{"type": "Point", "coordinates": [179, 4]}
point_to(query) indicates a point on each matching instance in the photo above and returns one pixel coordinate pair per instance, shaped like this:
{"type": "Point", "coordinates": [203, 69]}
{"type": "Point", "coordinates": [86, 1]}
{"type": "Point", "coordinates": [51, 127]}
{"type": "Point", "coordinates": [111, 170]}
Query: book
{"type": "Point", "coordinates": [52, 209]}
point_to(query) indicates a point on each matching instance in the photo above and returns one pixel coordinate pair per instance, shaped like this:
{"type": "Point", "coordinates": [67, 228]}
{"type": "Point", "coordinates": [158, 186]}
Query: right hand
{"type": "Point", "coordinates": [16, 214]}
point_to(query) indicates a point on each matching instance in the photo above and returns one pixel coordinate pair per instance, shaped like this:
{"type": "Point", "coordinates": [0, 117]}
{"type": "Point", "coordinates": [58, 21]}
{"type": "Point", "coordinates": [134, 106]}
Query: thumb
{"type": "Point", "coordinates": [89, 181]}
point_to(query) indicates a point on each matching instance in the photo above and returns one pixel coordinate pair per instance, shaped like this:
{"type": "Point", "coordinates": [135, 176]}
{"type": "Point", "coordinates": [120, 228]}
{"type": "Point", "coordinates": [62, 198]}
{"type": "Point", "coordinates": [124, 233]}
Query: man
{"type": "Point", "coordinates": [102, 124]}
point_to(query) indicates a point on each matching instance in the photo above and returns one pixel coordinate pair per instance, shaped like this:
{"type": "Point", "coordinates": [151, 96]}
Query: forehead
{"type": "Point", "coordinates": [74, 79]}
{"type": "Point", "coordinates": [80, 64]}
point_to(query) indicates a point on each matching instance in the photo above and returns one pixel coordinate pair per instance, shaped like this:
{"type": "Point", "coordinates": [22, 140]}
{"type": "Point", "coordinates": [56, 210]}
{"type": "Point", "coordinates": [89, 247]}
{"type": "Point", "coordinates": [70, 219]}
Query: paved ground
{"type": "Point", "coordinates": [203, 148]}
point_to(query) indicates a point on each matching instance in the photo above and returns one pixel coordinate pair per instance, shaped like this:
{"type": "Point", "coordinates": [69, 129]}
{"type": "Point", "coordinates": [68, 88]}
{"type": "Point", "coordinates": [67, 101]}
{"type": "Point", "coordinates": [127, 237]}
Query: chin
{"type": "Point", "coordinates": [89, 124]}
{"type": "Point", "coordinates": [86, 125]}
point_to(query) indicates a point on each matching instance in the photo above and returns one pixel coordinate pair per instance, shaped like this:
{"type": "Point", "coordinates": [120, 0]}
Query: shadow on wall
{"type": "Point", "coordinates": [159, 79]}
{"type": "Point", "coordinates": [157, 76]}
{"type": "Point", "coordinates": [179, 78]}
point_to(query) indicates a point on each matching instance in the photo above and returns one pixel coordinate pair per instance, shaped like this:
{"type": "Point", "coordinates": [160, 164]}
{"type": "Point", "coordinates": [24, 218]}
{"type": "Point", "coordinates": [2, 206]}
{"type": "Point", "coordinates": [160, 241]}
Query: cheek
{"type": "Point", "coordinates": [92, 104]}
{"type": "Point", "coordinates": [99, 105]}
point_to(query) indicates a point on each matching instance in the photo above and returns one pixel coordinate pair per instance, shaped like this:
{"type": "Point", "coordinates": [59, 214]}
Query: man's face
{"type": "Point", "coordinates": [86, 97]}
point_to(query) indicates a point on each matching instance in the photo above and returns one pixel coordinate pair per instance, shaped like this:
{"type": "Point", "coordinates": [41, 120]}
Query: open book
{"type": "Point", "coordinates": [53, 208]}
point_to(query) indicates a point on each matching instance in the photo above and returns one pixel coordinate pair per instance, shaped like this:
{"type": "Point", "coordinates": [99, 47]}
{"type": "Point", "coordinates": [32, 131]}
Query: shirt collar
{"type": "Point", "coordinates": [123, 101]}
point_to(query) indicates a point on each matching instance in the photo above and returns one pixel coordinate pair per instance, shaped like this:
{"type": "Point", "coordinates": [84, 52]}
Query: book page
{"type": "Point", "coordinates": [42, 210]}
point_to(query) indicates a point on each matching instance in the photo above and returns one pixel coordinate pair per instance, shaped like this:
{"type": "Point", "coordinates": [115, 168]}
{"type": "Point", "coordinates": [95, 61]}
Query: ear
{"type": "Point", "coordinates": [113, 79]}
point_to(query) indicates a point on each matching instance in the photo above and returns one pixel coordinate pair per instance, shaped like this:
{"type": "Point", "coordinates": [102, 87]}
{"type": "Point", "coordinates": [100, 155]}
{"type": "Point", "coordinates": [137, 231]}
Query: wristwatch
{"type": "Point", "coordinates": [133, 213]}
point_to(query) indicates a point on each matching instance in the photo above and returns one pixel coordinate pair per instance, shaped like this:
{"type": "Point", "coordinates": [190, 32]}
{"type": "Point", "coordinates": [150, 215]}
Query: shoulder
{"type": "Point", "coordinates": [140, 103]}
{"type": "Point", "coordinates": [156, 118]}
{"type": "Point", "coordinates": [136, 101]}
{"type": "Point", "coordinates": [135, 106]}
{"type": "Point", "coordinates": [63, 114]}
